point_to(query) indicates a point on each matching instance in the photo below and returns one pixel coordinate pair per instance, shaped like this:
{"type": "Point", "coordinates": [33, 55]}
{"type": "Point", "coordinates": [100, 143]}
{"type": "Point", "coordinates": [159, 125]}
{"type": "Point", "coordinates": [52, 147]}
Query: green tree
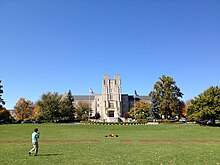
{"type": "Point", "coordinates": [82, 110]}
{"type": "Point", "coordinates": [154, 111]}
{"type": "Point", "coordinates": [24, 109]}
{"type": "Point", "coordinates": [49, 106]}
{"type": "Point", "coordinates": [2, 102]}
{"type": "Point", "coordinates": [141, 110]}
{"type": "Point", "coordinates": [167, 95]}
{"type": "Point", "coordinates": [66, 107]}
{"type": "Point", "coordinates": [206, 105]}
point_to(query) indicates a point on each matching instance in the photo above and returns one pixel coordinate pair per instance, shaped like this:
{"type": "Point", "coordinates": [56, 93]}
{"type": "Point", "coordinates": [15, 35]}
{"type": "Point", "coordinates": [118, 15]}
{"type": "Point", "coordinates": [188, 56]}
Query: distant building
{"type": "Point", "coordinates": [111, 104]}
{"type": "Point", "coordinates": [12, 113]}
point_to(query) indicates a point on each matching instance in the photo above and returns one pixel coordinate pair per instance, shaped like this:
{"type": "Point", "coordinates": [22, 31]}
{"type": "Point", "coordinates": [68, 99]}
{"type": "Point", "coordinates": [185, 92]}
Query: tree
{"type": "Point", "coordinates": [66, 106]}
{"type": "Point", "coordinates": [97, 116]}
{"type": "Point", "coordinates": [49, 105]}
{"type": "Point", "coordinates": [206, 105]}
{"type": "Point", "coordinates": [141, 110]}
{"type": "Point", "coordinates": [82, 109]}
{"type": "Point", "coordinates": [154, 111]}
{"type": "Point", "coordinates": [167, 95]}
{"type": "Point", "coordinates": [185, 109]}
{"type": "Point", "coordinates": [24, 109]}
{"type": "Point", "coordinates": [126, 115]}
{"type": "Point", "coordinates": [37, 112]}
{"type": "Point", "coordinates": [5, 115]}
{"type": "Point", "coordinates": [2, 102]}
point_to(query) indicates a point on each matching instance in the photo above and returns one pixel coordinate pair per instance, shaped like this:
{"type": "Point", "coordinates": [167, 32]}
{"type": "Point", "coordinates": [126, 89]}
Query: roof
{"type": "Point", "coordinates": [92, 97]}
{"type": "Point", "coordinates": [83, 97]}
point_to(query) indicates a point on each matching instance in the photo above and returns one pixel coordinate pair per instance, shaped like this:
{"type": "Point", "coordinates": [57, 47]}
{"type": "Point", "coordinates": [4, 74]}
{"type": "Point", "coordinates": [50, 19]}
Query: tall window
{"type": "Point", "coordinates": [111, 105]}
{"type": "Point", "coordinates": [111, 97]}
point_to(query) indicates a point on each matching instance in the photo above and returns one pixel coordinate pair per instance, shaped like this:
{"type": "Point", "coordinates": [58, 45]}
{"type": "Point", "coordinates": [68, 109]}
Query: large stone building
{"type": "Point", "coordinates": [111, 104]}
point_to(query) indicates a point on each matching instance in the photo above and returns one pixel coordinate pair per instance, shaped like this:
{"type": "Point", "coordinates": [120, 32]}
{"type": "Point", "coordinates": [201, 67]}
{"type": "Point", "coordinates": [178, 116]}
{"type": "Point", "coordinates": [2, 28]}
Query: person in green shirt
{"type": "Point", "coordinates": [35, 137]}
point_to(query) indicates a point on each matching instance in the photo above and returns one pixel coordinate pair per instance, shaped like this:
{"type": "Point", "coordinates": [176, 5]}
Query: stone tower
{"type": "Point", "coordinates": [111, 97]}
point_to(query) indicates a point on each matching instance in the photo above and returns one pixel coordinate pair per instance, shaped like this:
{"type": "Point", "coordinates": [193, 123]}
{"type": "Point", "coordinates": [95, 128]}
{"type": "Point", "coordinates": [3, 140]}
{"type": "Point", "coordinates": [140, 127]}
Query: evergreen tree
{"type": "Point", "coordinates": [2, 102]}
{"type": "Point", "coordinates": [66, 107]}
{"type": "Point", "coordinates": [154, 111]}
{"type": "Point", "coordinates": [71, 101]}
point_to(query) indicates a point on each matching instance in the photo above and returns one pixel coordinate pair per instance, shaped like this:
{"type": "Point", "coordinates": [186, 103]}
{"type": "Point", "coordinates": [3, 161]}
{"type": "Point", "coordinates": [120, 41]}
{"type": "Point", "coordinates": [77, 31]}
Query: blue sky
{"type": "Point", "coordinates": [57, 45]}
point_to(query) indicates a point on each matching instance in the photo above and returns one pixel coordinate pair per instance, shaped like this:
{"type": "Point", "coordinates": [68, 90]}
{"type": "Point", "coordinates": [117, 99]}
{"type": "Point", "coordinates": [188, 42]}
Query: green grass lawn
{"type": "Point", "coordinates": [111, 150]}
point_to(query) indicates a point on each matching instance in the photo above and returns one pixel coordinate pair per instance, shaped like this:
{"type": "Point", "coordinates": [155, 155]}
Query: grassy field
{"type": "Point", "coordinates": [164, 144]}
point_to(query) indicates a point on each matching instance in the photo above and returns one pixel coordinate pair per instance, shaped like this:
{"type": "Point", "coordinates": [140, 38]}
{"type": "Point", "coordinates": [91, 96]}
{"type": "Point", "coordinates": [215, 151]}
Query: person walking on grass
{"type": "Point", "coordinates": [35, 137]}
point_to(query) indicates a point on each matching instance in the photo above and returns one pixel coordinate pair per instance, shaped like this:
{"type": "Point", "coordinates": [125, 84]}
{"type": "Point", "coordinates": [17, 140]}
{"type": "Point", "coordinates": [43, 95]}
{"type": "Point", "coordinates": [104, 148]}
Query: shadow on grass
{"type": "Point", "coordinates": [211, 125]}
{"type": "Point", "coordinates": [49, 154]}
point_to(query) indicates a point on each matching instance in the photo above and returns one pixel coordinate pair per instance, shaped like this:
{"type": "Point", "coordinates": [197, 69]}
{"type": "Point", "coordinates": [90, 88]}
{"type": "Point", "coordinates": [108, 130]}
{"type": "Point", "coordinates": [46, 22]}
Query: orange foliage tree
{"type": "Point", "coordinates": [141, 110]}
{"type": "Point", "coordinates": [5, 114]}
{"type": "Point", "coordinates": [24, 109]}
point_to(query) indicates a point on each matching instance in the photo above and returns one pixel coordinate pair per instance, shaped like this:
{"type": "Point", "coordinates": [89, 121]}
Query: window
{"type": "Point", "coordinates": [112, 83]}
{"type": "Point", "coordinates": [111, 105]}
{"type": "Point", "coordinates": [111, 97]}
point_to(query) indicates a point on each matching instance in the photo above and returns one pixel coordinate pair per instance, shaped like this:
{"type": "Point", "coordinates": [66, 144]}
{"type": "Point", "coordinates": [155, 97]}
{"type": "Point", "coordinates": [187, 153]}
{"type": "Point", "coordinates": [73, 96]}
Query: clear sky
{"type": "Point", "coordinates": [61, 45]}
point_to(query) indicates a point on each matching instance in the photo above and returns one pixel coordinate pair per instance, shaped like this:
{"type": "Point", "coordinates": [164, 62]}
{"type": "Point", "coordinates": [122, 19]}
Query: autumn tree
{"type": "Point", "coordinates": [127, 115]}
{"type": "Point", "coordinates": [24, 109]}
{"type": "Point", "coordinates": [185, 109]}
{"type": "Point", "coordinates": [141, 110]}
{"type": "Point", "coordinates": [2, 102]}
{"type": "Point", "coordinates": [49, 105]}
{"type": "Point", "coordinates": [37, 112]}
{"type": "Point", "coordinates": [82, 110]}
{"type": "Point", "coordinates": [66, 106]}
{"type": "Point", "coordinates": [206, 105]}
{"type": "Point", "coordinates": [167, 95]}
{"type": "Point", "coordinates": [5, 114]}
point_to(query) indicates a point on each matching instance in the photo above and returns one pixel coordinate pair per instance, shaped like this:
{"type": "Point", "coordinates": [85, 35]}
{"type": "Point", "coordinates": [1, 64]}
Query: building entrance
{"type": "Point", "coordinates": [111, 114]}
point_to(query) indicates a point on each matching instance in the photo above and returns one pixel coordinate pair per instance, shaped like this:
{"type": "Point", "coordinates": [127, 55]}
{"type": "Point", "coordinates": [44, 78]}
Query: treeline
{"type": "Point", "coordinates": [53, 107]}
{"type": "Point", "coordinates": [165, 103]}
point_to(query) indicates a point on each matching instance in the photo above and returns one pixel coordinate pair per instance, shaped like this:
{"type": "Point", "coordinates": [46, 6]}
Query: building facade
{"type": "Point", "coordinates": [111, 104]}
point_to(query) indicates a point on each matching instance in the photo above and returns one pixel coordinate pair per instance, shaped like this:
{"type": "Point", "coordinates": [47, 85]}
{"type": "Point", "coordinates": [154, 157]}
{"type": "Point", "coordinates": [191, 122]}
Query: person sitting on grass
{"type": "Point", "coordinates": [111, 135]}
